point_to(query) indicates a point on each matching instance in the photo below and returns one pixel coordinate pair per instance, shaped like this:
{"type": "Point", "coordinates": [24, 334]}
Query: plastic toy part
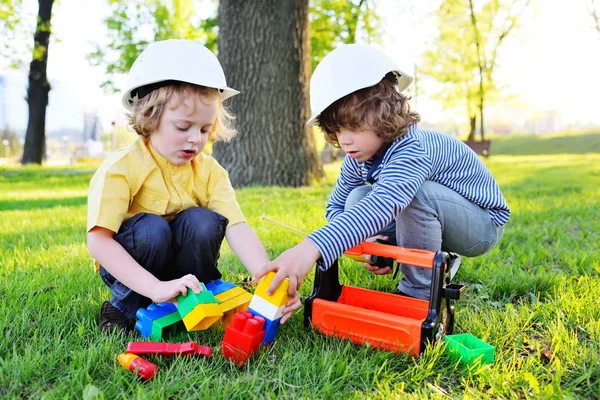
{"type": "Point", "coordinates": [384, 320]}
{"type": "Point", "coordinates": [202, 317]}
{"type": "Point", "coordinates": [185, 304]}
{"type": "Point", "coordinates": [265, 308]}
{"type": "Point", "coordinates": [271, 327]}
{"type": "Point", "coordinates": [143, 368]}
{"type": "Point", "coordinates": [164, 326]}
{"type": "Point", "coordinates": [242, 337]}
{"type": "Point", "coordinates": [218, 286]}
{"type": "Point", "coordinates": [233, 301]}
{"type": "Point", "coordinates": [169, 349]}
{"type": "Point", "coordinates": [468, 349]}
{"type": "Point", "coordinates": [146, 317]}
{"type": "Point", "coordinates": [198, 311]}
{"type": "Point", "coordinates": [280, 297]}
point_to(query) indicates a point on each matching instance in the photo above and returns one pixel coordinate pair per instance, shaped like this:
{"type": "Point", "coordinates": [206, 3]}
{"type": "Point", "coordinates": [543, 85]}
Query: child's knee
{"type": "Point", "coordinates": [204, 224]}
{"type": "Point", "coordinates": [356, 195]}
{"type": "Point", "coordinates": [153, 233]}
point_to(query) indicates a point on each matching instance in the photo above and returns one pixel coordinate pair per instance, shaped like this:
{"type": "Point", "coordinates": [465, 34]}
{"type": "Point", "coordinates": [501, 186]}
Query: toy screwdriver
{"type": "Point", "coordinates": [143, 368]}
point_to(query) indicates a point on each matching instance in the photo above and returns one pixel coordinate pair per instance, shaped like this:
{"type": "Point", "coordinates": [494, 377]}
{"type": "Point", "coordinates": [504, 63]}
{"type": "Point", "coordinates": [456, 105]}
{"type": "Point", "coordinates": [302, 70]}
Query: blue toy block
{"type": "Point", "coordinates": [271, 327]}
{"type": "Point", "coordinates": [218, 286]}
{"type": "Point", "coordinates": [153, 312]}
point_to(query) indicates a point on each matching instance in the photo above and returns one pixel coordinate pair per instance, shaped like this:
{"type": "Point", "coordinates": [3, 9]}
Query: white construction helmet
{"type": "Point", "coordinates": [174, 60]}
{"type": "Point", "coordinates": [348, 69]}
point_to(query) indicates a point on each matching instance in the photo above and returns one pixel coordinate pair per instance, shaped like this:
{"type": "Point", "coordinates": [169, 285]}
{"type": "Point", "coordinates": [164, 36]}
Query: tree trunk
{"type": "Point", "coordinates": [39, 87]}
{"type": "Point", "coordinates": [473, 127]}
{"type": "Point", "coordinates": [265, 52]}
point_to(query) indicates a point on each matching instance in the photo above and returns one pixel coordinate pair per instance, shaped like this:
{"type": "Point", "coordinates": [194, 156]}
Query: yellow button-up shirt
{"type": "Point", "coordinates": [137, 179]}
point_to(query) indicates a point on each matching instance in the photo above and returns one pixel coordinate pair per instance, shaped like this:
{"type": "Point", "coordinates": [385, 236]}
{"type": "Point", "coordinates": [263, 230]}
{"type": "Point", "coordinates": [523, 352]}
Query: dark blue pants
{"type": "Point", "coordinates": [189, 244]}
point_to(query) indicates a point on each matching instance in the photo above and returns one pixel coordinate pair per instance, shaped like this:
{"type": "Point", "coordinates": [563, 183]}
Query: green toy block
{"type": "Point", "coordinates": [467, 348]}
{"type": "Point", "coordinates": [164, 326]}
{"type": "Point", "coordinates": [185, 304]}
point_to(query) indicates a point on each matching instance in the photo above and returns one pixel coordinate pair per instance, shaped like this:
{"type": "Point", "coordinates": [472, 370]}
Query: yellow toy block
{"type": "Point", "coordinates": [202, 317]}
{"type": "Point", "coordinates": [230, 294]}
{"type": "Point", "coordinates": [233, 306]}
{"type": "Point", "coordinates": [280, 296]}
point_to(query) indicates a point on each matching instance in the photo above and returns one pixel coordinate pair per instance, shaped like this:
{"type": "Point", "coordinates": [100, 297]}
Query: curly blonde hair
{"type": "Point", "coordinates": [380, 108]}
{"type": "Point", "coordinates": [146, 113]}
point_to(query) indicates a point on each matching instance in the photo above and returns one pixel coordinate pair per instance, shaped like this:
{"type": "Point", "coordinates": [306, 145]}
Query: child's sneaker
{"type": "Point", "coordinates": [112, 319]}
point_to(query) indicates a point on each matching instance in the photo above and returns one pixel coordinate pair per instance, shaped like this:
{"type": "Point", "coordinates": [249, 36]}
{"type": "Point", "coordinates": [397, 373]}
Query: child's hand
{"type": "Point", "coordinates": [292, 305]}
{"type": "Point", "coordinates": [378, 271]}
{"type": "Point", "coordinates": [294, 263]}
{"type": "Point", "coordinates": [374, 268]}
{"type": "Point", "coordinates": [168, 290]}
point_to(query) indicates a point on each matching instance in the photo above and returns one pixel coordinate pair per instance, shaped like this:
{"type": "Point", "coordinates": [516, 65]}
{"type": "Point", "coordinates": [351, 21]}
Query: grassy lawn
{"type": "Point", "coordinates": [537, 291]}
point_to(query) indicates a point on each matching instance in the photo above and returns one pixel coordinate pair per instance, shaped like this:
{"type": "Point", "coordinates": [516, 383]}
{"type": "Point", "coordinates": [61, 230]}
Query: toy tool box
{"type": "Point", "coordinates": [385, 320]}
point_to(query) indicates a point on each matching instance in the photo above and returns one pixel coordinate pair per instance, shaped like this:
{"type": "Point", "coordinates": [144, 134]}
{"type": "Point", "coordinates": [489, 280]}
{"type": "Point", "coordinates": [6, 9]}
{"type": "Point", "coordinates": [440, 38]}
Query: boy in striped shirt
{"type": "Point", "coordinates": [416, 188]}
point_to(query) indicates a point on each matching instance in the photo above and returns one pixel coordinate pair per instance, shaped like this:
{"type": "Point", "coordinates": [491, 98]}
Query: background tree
{"type": "Point", "coordinates": [466, 52]}
{"type": "Point", "coordinates": [10, 23]}
{"type": "Point", "coordinates": [271, 68]}
{"type": "Point", "coordinates": [333, 22]}
{"type": "Point", "coordinates": [39, 87]}
{"type": "Point", "coordinates": [449, 62]}
{"type": "Point", "coordinates": [128, 32]}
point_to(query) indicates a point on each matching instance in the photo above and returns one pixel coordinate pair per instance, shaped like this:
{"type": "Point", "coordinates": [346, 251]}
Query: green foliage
{"type": "Point", "coordinates": [333, 22]}
{"type": "Point", "coordinates": [451, 60]}
{"type": "Point", "coordinates": [134, 24]}
{"type": "Point", "coordinates": [535, 295]}
{"type": "Point", "coordinates": [13, 29]}
{"type": "Point", "coordinates": [463, 57]}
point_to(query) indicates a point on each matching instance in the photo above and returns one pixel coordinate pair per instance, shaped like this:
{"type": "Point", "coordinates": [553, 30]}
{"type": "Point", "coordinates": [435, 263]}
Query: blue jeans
{"type": "Point", "coordinates": [189, 244]}
{"type": "Point", "coordinates": [437, 218]}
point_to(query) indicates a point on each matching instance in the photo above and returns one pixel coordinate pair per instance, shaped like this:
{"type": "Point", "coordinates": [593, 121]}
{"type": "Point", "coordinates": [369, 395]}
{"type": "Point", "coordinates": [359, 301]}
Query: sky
{"type": "Point", "coordinates": [552, 63]}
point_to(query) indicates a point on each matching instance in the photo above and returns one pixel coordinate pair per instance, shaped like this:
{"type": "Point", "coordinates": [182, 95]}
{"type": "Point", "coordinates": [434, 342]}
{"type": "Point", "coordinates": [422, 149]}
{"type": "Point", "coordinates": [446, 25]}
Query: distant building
{"type": "Point", "coordinates": [91, 126]}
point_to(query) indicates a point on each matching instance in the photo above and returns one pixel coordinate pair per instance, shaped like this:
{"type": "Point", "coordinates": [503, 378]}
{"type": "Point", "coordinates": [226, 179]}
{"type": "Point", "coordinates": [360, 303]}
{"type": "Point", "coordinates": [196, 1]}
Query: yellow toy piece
{"type": "Point", "coordinates": [280, 296]}
{"type": "Point", "coordinates": [233, 304]}
{"type": "Point", "coordinates": [202, 317]}
{"type": "Point", "coordinates": [358, 258]}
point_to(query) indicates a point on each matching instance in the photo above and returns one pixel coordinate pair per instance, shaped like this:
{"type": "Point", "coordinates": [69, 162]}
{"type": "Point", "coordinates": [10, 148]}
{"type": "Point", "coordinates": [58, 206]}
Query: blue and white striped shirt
{"type": "Point", "coordinates": [419, 156]}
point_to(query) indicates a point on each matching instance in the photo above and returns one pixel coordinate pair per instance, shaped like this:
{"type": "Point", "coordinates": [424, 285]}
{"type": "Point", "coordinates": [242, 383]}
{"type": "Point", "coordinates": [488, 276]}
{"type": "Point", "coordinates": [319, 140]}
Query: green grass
{"type": "Point", "coordinates": [537, 290]}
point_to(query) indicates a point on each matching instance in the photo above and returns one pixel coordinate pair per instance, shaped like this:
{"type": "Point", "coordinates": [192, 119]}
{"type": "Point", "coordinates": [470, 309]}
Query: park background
{"type": "Point", "coordinates": [534, 297]}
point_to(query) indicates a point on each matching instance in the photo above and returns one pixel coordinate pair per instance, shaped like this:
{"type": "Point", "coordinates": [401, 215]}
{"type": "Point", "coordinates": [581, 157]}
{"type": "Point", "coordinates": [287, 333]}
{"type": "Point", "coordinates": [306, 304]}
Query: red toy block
{"type": "Point", "coordinates": [169, 349]}
{"type": "Point", "coordinates": [242, 337]}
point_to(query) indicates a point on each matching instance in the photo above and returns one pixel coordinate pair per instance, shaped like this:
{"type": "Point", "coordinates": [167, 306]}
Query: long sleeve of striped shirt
{"type": "Point", "coordinates": [419, 156]}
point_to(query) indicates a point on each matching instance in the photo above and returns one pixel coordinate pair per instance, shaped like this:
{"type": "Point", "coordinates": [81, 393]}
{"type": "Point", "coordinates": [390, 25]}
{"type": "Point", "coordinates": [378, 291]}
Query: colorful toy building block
{"type": "Point", "coordinates": [187, 303]}
{"type": "Point", "coordinates": [265, 308]}
{"type": "Point", "coordinates": [143, 368]}
{"type": "Point", "coordinates": [169, 349]}
{"type": "Point", "coordinates": [280, 297]}
{"type": "Point", "coordinates": [270, 307]}
{"type": "Point", "coordinates": [232, 302]}
{"type": "Point", "coordinates": [164, 325]}
{"type": "Point", "coordinates": [242, 337]}
{"type": "Point", "coordinates": [468, 349]}
{"type": "Point", "coordinates": [218, 286]}
{"type": "Point", "coordinates": [271, 327]}
{"type": "Point", "coordinates": [146, 317]}
{"type": "Point", "coordinates": [199, 311]}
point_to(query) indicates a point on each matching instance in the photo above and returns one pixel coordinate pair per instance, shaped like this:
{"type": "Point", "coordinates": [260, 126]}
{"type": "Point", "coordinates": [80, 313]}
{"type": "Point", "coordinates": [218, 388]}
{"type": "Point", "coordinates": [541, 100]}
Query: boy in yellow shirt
{"type": "Point", "coordinates": [158, 210]}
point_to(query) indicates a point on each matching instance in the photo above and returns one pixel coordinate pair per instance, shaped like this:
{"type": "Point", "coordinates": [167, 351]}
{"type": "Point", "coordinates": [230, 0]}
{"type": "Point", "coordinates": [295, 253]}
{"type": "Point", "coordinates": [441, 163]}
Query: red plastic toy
{"type": "Point", "coordinates": [169, 349]}
{"type": "Point", "coordinates": [143, 368]}
{"type": "Point", "coordinates": [242, 337]}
